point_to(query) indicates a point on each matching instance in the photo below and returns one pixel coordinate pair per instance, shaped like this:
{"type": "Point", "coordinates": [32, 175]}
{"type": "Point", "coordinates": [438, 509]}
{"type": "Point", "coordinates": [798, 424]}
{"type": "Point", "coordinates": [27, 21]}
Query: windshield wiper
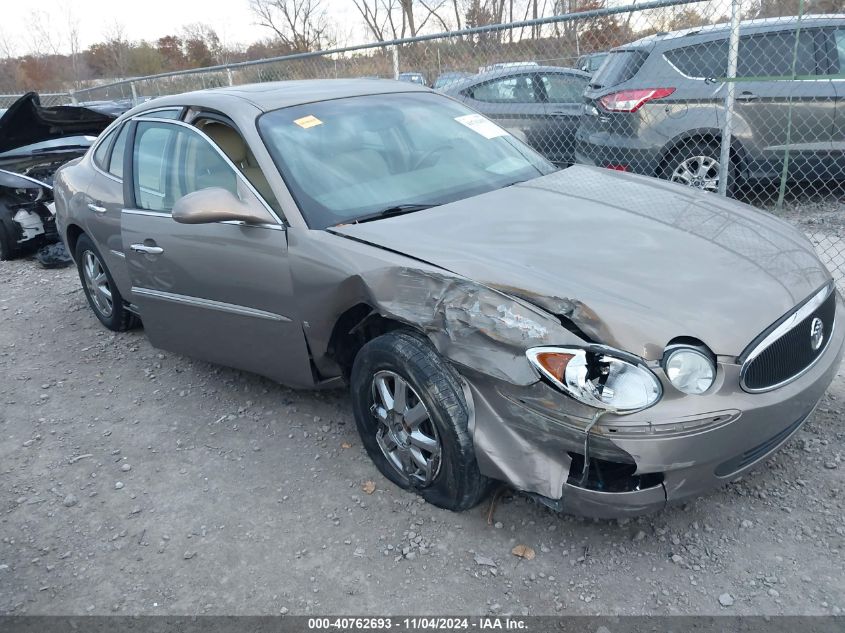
{"type": "Point", "coordinates": [389, 212]}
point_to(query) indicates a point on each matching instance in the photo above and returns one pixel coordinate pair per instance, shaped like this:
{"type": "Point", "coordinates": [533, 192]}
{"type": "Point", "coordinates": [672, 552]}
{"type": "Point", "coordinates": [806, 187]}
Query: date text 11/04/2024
{"type": "Point", "coordinates": [418, 624]}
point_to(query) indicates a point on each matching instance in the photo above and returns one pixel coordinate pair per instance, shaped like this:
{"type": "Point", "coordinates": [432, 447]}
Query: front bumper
{"type": "Point", "coordinates": [530, 436]}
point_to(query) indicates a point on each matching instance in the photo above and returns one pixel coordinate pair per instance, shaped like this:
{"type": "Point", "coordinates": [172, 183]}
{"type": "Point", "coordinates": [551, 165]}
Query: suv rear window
{"type": "Point", "coordinates": [618, 67]}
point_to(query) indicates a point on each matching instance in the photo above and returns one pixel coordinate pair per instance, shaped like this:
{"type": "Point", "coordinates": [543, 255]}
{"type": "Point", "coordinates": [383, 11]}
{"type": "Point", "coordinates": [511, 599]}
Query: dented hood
{"type": "Point", "coordinates": [634, 262]}
{"type": "Point", "coordinates": [27, 122]}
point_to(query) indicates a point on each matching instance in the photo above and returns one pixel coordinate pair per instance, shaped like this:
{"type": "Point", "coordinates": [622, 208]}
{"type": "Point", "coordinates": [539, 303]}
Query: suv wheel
{"type": "Point", "coordinates": [100, 290]}
{"type": "Point", "coordinates": [412, 417]}
{"type": "Point", "coordinates": [695, 165]}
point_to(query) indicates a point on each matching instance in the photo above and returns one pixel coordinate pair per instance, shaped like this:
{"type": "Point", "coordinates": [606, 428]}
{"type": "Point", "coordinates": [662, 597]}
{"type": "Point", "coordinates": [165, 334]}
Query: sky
{"type": "Point", "coordinates": [145, 19]}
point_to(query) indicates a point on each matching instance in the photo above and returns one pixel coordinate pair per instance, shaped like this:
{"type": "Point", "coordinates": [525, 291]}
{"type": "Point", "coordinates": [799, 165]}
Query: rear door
{"type": "Point", "coordinates": [562, 94]}
{"type": "Point", "coordinates": [104, 198]}
{"type": "Point", "coordinates": [515, 102]}
{"type": "Point", "coordinates": [104, 202]}
{"type": "Point", "coordinates": [220, 291]}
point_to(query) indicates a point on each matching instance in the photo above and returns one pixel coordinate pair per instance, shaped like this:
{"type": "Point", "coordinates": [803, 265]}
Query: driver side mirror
{"type": "Point", "coordinates": [216, 204]}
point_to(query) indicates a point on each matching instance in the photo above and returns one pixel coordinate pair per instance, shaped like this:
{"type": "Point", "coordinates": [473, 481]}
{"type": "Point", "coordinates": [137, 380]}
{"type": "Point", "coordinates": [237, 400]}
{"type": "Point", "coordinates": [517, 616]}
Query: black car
{"type": "Point", "coordinates": [34, 142]}
{"type": "Point", "coordinates": [540, 105]}
{"type": "Point", "coordinates": [657, 105]}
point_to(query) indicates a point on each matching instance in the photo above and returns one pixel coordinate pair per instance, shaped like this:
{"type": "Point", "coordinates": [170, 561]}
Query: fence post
{"type": "Point", "coordinates": [134, 92]}
{"type": "Point", "coordinates": [229, 76]}
{"type": "Point", "coordinates": [395, 61]}
{"type": "Point", "coordinates": [73, 99]}
{"type": "Point", "coordinates": [733, 54]}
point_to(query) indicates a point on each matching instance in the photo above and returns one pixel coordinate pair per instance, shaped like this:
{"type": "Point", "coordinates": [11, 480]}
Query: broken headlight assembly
{"type": "Point", "coordinates": [599, 377]}
{"type": "Point", "coordinates": [691, 370]}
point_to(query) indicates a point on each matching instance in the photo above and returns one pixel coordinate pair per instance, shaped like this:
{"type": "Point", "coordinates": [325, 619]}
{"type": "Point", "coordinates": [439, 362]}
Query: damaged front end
{"type": "Point", "coordinates": [34, 142]}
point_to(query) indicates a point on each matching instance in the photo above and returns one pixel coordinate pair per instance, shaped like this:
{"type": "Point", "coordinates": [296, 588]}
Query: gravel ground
{"type": "Point", "coordinates": [139, 482]}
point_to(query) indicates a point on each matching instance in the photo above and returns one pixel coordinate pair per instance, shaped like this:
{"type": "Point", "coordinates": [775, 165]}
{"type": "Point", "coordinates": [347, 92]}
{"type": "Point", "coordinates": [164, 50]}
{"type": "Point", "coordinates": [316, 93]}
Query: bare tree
{"type": "Point", "coordinates": [43, 38]}
{"type": "Point", "coordinates": [395, 19]}
{"type": "Point", "coordinates": [301, 25]}
{"type": "Point", "coordinates": [73, 44]}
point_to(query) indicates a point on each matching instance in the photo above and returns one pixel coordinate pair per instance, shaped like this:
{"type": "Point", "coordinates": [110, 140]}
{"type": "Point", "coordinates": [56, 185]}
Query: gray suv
{"type": "Point", "coordinates": [656, 106]}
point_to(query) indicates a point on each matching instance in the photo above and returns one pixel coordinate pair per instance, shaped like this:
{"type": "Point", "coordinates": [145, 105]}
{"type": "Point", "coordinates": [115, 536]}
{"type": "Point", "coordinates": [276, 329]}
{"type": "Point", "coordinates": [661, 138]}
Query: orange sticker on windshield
{"type": "Point", "coordinates": [308, 121]}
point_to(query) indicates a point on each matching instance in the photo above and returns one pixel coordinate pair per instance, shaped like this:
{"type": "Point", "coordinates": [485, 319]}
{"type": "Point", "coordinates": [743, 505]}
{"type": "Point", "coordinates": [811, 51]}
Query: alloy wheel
{"type": "Point", "coordinates": [406, 434]}
{"type": "Point", "coordinates": [701, 172]}
{"type": "Point", "coordinates": [97, 283]}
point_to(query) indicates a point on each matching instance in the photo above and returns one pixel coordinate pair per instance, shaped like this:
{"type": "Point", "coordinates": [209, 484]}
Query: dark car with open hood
{"type": "Point", "coordinates": [606, 342]}
{"type": "Point", "coordinates": [34, 142]}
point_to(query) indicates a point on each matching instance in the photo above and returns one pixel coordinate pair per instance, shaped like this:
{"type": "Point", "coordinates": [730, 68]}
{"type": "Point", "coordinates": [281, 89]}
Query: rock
{"type": "Point", "coordinates": [639, 536]}
{"type": "Point", "coordinates": [189, 555]}
{"type": "Point", "coordinates": [283, 611]}
{"type": "Point", "coordinates": [677, 559]}
{"type": "Point", "coordinates": [484, 560]}
{"type": "Point", "coordinates": [126, 468]}
{"type": "Point", "coordinates": [70, 501]}
{"type": "Point", "coordinates": [118, 485]}
{"type": "Point", "coordinates": [726, 600]}
{"type": "Point", "coordinates": [746, 524]}
{"type": "Point", "coordinates": [830, 465]}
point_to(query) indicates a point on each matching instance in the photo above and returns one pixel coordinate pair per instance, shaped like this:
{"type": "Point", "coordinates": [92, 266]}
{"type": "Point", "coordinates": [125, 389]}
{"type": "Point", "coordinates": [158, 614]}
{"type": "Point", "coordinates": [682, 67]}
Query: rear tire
{"type": "Point", "coordinates": [7, 249]}
{"type": "Point", "coordinates": [103, 296]}
{"type": "Point", "coordinates": [696, 165]}
{"type": "Point", "coordinates": [427, 427]}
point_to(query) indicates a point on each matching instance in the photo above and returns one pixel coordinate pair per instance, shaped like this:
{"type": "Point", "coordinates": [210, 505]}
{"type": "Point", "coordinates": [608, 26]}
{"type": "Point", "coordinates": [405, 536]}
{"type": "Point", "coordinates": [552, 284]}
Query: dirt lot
{"type": "Point", "coordinates": [139, 482]}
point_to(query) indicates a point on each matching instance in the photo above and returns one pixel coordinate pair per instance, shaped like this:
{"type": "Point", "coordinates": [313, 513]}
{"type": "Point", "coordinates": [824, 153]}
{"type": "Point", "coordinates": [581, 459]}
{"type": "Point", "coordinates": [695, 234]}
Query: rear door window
{"type": "Point", "coordinates": [116, 160]}
{"type": "Point", "coordinates": [101, 154]}
{"type": "Point", "coordinates": [563, 88]}
{"type": "Point", "coordinates": [620, 66]}
{"type": "Point", "coordinates": [701, 61]}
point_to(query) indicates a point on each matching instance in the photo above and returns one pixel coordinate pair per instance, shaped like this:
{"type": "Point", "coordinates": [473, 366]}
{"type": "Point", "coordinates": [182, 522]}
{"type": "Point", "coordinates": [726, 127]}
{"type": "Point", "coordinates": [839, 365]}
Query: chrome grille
{"type": "Point", "coordinates": [786, 350]}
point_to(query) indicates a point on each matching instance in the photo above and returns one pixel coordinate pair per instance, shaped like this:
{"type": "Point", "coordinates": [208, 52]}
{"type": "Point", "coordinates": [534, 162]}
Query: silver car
{"type": "Point", "coordinates": [604, 342]}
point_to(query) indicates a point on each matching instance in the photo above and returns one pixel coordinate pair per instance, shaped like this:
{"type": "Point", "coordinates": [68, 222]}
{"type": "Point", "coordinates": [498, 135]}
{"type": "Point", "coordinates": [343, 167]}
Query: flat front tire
{"type": "Point", "coordinates": [413, 420]}
{"type": "Point", "coordinates": [103, 296]}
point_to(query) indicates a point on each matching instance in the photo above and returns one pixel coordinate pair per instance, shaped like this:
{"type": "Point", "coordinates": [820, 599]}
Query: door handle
{"type": "Point", "coordinates": [149, 250]}
{"type": "Point", "coordinates": [96, 208]}
{"type": "Point", "coordinates": [746, 96]}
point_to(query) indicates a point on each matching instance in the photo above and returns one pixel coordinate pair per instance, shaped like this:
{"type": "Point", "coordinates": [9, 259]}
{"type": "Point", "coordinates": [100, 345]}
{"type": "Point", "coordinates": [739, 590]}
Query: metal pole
{"type": "Point", "coordinates": [733, 54]}
{"type": "Point", "coordinates": [396, 62]}
{"type": "Point", "coordinates": [134, 93]}
{"type": "Point", "coordinates": [229, 77]}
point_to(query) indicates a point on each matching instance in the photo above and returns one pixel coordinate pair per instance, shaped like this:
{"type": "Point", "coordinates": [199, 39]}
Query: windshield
{"type": "Point", "coordinates": [350, 158]}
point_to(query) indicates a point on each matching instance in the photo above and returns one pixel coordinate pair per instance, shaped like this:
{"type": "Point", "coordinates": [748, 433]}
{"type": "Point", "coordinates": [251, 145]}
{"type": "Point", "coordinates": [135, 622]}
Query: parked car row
{"type": "Point", "coordinates": [656, 106]}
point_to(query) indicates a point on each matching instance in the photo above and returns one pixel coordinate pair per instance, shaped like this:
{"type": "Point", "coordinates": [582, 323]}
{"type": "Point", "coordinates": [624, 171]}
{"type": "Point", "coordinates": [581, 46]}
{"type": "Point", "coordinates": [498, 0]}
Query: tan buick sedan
{"type": "Point", "coordinates": [607, 343]}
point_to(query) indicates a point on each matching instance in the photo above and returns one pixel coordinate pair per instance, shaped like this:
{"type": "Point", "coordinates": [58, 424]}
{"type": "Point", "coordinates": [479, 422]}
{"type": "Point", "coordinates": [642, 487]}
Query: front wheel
{"type": "Point", "coordinates": [412, 417]}
{"type": "Point", "coordinates": [100, 290]}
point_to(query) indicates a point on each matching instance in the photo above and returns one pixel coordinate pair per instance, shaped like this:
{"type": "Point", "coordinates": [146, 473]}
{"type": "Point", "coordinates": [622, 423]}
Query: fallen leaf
{"type": "Point", "coordinates": [369, 487]}
{"type": "Point", "coordinates": [523, 551]}
{"type": "Point", "coordinates": [346, 445]}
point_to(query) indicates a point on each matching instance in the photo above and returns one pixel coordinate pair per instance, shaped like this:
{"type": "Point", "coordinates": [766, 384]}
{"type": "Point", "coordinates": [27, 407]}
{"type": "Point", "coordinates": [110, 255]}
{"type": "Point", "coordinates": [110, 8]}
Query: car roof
{"type": "Point", "coordinates": [281, 94]}
{"type": "Point", "coordinates": [758, 25]}
{"type": "Point", "coordinates": [506, 72]}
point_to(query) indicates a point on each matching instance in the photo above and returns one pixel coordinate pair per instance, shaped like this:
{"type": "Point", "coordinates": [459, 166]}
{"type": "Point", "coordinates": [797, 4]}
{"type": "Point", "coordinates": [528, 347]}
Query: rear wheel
{"type": "Point", "coordinates": [412, 417]}
{"type": "Point", "coordinates": [100, 290]}
{"type": "Point", "coordinates": [696, 165]}
{"type": "Point", "coordinates": [7, 251]}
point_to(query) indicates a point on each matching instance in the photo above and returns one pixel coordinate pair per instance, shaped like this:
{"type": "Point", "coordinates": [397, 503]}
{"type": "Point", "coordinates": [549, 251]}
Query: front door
{"type": "Point", "coordinates": [220, 291]}
{"type": "Point", "coordinates": [798, 114]}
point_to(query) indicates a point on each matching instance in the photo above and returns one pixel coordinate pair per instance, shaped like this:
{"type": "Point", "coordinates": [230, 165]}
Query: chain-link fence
{"type": "Point", "coordinates": [738, 97]}
{"type": "Point", "coordinates": [46, 98]}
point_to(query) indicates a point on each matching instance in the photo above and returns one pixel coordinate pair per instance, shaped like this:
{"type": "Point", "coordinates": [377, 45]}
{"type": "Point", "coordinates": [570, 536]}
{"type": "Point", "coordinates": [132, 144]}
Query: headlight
{"type": "Point", "coordinates": [599, 377]}
{"type": "Point", "coordinates": [690, 370]}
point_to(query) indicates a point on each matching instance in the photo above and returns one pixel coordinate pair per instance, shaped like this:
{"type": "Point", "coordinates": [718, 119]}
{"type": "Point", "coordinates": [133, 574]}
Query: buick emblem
{"type": "Point", "coordinates": [816, 333]}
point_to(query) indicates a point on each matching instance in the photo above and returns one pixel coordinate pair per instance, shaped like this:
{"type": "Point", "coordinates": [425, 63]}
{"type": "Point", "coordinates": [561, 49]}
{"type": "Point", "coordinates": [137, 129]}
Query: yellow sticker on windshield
{"type": "Point", "coordinates": [308, 121]}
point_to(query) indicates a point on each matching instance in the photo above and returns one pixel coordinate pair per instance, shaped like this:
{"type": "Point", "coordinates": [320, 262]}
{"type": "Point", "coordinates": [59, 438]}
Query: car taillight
{"type": "Point", "coordinates": [632, 100]}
